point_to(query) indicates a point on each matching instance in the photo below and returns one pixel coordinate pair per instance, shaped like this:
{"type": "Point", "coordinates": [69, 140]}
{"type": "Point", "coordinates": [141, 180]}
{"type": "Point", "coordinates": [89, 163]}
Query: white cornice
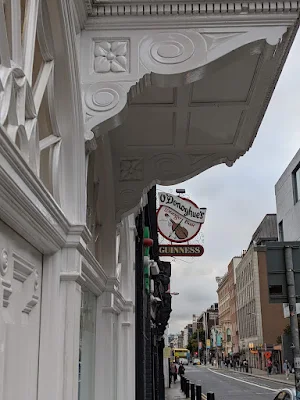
{"type": "Point", "coordinates": [28, 207]}
{"type": "Point", "coordinates": [261, 13]}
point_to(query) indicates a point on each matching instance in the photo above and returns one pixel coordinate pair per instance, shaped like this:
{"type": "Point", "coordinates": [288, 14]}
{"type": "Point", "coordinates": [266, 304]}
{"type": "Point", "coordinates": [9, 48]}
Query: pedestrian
{"type": "Point", "coordinates": [173, 372]}
{"type": "Point", "coordinates": [286, 369]}
{"type": "Point", "coordinates": [181, 370]}
{"type": "Point", "coordinates": [269, 366]}
{"type": "Point", "coordinates": [276, 367]}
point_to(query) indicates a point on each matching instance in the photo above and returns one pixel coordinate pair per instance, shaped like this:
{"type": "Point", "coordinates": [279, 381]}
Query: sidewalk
{"type": "Point", "coordinates": [263, 374]}
{"type": "Point", "coordinates": [174, 393]}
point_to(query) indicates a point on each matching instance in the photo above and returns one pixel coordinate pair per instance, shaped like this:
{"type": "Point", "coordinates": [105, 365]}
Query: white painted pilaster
{"type": "Point", "coordinates": [2, 342]}
{"type": "Point", "coordinates": [126, 329]}
{"type": "Point", "coordinates": [87, 336]}
{"type": "Point", "coordinates": [126, 359]}
{"type": "Point", "coordinates": [106, 353]}
{"type": "Point", "coordinates": [59, 343]}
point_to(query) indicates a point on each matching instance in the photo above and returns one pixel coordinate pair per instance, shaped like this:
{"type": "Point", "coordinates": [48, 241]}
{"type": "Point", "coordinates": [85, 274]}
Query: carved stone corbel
{"type": "Point", "coordinates": [120, 68]}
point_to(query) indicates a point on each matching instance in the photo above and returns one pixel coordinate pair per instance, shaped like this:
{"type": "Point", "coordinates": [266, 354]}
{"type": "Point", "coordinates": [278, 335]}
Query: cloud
{"type": "Point", "coordinates": [238, 198]}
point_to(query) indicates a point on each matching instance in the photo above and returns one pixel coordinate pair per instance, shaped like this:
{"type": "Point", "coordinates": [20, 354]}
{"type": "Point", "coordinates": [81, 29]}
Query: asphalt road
{"type": "Point", "coordinates": [229, 385]}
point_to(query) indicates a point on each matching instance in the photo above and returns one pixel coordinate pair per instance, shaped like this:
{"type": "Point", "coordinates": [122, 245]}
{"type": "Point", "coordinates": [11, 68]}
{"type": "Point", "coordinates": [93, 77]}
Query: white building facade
{"type": "Point", "coordinates": [249, 314]}
{"type": "Point", "coordinates": [185, 336]}
{"type": "Point", "coordinates": [287, 191]}
{"type": "Point", "coordinates": [97, 103]}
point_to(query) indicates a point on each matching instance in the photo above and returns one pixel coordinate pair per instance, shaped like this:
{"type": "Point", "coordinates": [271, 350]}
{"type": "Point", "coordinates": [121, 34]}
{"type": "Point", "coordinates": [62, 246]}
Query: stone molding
{"type": "Point", "coordinates": [28, 207]}
{"type": "Point", "coordinates": [188, 8]}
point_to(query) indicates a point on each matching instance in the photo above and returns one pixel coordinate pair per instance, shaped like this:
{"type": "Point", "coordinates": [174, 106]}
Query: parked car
{"type": "Point", "coordinates": [286, 394]}
{"type": "Point", "coordinates": [184, 361]}
{"type": "Point", "coordinates": [196, 361]}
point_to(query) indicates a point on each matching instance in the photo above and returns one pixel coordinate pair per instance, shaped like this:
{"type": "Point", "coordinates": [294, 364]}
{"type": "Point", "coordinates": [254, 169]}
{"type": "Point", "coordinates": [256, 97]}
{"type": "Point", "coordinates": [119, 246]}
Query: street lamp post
{"type": "Point", "coordinates": [206, 337]}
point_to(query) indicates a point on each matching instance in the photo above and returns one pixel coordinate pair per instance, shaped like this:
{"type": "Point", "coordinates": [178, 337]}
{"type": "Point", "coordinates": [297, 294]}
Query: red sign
{"type": "Point", "coordinates": [183, 250]}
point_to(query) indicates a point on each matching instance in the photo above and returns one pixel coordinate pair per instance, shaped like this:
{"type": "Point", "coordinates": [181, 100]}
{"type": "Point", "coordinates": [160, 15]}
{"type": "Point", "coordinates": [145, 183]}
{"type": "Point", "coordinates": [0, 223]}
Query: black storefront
{"type": "Point", "coordinates": [153, 308]}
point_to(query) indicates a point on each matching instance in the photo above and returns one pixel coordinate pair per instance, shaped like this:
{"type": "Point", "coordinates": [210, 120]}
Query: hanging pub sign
{"type": "Point", "coordinates": [185, 250]}
{"type": "Point", "coordinates": [178, 219]}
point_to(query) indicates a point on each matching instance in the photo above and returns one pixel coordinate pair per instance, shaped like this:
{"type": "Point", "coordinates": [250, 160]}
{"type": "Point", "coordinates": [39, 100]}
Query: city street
{"type": "Point", "coordinates": [229, 385]}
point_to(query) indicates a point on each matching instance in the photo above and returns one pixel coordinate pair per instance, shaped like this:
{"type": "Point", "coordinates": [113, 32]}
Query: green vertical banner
{"type": "Point", "coordinates": [146, 260]}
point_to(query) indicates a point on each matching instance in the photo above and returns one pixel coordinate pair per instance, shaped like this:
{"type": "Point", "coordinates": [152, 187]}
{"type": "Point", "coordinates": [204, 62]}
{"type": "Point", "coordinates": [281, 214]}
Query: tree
{"type": "Point", "coordinates": [287, 330]}
{"type": "Point", "coordinates": [193, 341]}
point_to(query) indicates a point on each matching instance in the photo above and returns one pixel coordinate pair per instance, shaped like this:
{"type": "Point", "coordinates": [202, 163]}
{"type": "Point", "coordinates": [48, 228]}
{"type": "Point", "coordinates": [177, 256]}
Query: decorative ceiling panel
{"type": "Point", "coordinates": [157, 130]}
{"type": "Point", "coordinates": [232, 83]}
{"type": "Point", "coordinates": [159, 96]}
{"type": "Point", "coordinates": [213, 125]}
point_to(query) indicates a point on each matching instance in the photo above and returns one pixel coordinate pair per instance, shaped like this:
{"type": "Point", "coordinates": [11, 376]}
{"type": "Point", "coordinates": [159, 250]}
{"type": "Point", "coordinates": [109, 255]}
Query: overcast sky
{"type": "Point", "coordinates": [238, 198]}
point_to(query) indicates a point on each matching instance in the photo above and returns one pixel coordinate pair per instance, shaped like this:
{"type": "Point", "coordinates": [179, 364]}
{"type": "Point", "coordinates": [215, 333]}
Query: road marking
{"type": "Point", "coordinates": [240, 380]}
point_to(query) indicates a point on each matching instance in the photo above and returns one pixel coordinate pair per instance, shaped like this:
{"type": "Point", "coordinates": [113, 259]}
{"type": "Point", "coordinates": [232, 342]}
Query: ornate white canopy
{"type": "Point", "coordinates": [178, 87]}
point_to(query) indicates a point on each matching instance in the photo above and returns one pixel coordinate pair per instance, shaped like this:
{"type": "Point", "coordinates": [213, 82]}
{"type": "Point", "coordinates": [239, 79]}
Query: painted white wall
{"type": "Point", "coordinates": [185, 337]}
{"type": "Point", "coordinates": [287, 210]}
{"type": "Point", "coordinates": [20, 301]}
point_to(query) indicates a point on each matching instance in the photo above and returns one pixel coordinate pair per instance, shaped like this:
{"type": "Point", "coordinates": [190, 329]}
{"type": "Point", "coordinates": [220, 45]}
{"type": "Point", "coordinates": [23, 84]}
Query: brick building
{"type": "Point", "coordinates": [232, 303]}
{"type": "Point", "coordinates": [224, 313]}
{"type": "Point", "coordinates": [227, 308]}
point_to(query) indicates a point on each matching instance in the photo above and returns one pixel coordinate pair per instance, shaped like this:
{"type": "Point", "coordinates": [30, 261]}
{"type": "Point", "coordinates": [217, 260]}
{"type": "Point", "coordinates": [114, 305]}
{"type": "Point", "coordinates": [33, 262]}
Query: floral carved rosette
{"type": "Point", "coordinates": [110, 57]}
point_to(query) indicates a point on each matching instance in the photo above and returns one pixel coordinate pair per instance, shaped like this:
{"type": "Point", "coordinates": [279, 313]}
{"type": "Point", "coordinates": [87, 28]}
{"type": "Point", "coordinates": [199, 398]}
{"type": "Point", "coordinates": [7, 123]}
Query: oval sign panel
{"type": "Point", "coordinates": [178, 219]}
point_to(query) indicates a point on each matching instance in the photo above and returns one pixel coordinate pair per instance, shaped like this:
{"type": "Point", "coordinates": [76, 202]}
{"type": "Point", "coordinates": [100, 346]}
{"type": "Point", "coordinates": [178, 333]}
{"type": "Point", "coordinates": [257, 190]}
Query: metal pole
{"type": "Point", "coordinates": [187, 389]}
{"type": "Point", "coordinates": [184, 385]}
{"type": "Point", "coordinates": [290, 279]}
{"type": "Point", "coordinates": [198, 339]}
{"type": "Point", "coordinates": [210, 396]}
{"type": "Point", "coordinates": [198, 392]}
{"type": "Point", "coordinates": [217, 355]}
{"type": "Point", "coordinates": [206, 334]}
{"type": "Point", "coordinates": [192, 391]}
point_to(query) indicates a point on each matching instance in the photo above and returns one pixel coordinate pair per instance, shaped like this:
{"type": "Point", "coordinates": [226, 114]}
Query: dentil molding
{"type": "Point", "coordinates": [96, 8]}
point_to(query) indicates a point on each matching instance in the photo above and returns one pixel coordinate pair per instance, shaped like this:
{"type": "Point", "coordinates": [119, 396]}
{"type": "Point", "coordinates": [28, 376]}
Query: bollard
{"type": "Point", "coordinates": [192, 391]}
{"type": "Point", "coordinates": [198, 392]}
{"type": "Point", "coordinates": [183, 384]}
{"type": "Point", "coordinates": [210, 396]}
{"type": "Point", "coordinates": [187, 389]}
